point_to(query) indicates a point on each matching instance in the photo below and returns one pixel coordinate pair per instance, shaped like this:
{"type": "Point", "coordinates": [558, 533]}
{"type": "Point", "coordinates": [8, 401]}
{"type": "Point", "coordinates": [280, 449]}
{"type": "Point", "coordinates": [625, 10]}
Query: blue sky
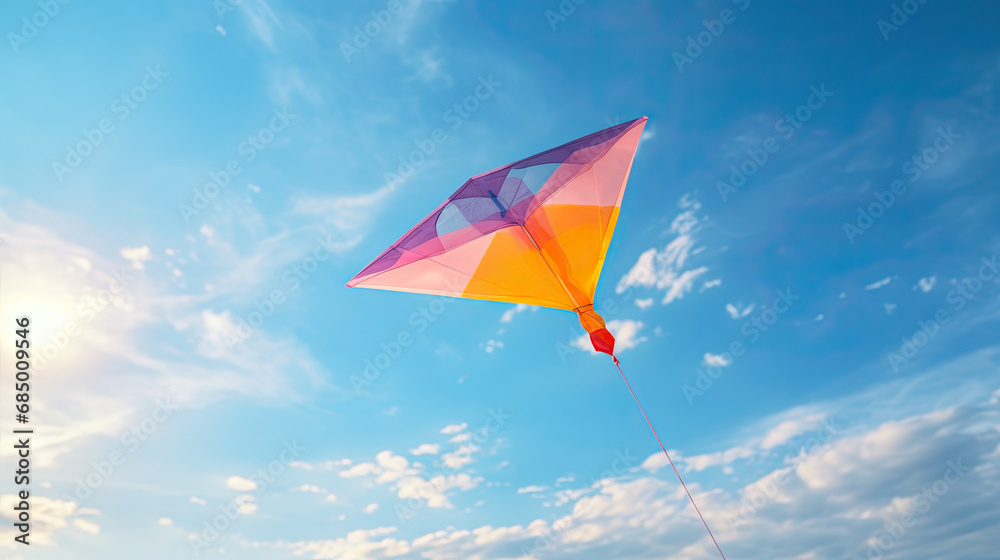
{"type": "Point", "coordinates": [803, 280]}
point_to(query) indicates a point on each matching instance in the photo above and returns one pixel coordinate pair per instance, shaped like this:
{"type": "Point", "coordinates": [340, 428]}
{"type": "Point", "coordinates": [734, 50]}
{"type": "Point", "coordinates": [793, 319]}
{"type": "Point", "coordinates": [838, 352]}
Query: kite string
{"type": "Point", "coordinates": [690, 497]}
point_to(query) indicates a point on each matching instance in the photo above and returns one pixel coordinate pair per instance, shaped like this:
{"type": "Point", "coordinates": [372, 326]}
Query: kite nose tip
{"type": "Point", "coordinates": [600, 337]}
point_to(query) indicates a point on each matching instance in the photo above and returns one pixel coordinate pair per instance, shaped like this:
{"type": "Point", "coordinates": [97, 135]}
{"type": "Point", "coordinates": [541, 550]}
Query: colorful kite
{"type": "Point", "coordinates": [535, 232]}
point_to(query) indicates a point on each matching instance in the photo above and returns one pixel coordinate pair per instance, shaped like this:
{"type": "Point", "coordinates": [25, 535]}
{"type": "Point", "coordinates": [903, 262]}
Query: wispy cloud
{"type": "Point", "coordinates": [666, 269]}
{"type": "Point", "coordinates": [925, 285]}
{"type": "Point", "coordinates": [876, 285]}
{"type": "Point", "coordinates": [738, 311]}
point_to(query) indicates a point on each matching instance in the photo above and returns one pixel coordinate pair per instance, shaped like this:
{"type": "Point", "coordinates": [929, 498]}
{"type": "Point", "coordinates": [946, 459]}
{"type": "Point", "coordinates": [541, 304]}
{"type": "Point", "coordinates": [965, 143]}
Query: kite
{"type": "Point", "coordinates": [535, 232]}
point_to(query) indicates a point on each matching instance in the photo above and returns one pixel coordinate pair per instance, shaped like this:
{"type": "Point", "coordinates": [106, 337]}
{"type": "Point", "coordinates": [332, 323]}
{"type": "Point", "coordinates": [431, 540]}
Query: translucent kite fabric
{"type": "Point", "coordinates": [535, 231]}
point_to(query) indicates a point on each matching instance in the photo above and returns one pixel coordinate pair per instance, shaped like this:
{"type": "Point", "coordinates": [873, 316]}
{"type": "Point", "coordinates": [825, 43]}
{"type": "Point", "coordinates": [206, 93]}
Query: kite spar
{"type": "Point", "coordinates": [535, 231]}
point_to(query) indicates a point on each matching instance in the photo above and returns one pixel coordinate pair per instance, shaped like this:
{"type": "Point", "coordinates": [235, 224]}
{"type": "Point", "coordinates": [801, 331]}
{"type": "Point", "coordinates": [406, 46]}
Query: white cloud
{"type": "Point", "coordinates": [198, 501]}
{"type": "Point", "coordinates": [715, 360]}
{"type": "Point", "coordinates": [454, 428]}
{"type": "Point", "coordinates": [879, 284]}
{"type": "Point", "coordinates": [663, 270]}
{"type": "Point", "coordinates": [241, 484]}
{"type": "Point", "coordinates": [491, 345]}
{"type": "Point", "coordinates": [310, 488]}
{"type": "Point", "coordinates": [137, 256]}
{"type": "Point", "coordinates": [393, 467]}
{"type": "Point", "coordinates": [435, 489]}
{"type": "Point", "coordinates": [360, 544]}
{"type": "Point", "coordinates": [370, 508]}
{"type": "Point", "coordinates": [889, 308]}
{"type": "Point", "coordinates": [245, 504]}
{"type": "Point", "coordinates": [926, 284]}
{"type": "Point", "coordinates": [87, 526]}
{"type": "Point", "coordinates": [387, 468]}
{"type": "Point", "coordinates": [165, 521]}
{"type": "Point", "coordinates": [626, 333]}
{"type": "Point", "coordinates": [685, 222]}
{"type": "Point", "coordinates": [738, 311]}
{"type": "Point", "coordinates": [460, 457]}
{"type": "Point", "coordinates": [330, 465]}
{"type": "Point", "coordinates": [508, 315]}
{"type": "Point", "coordinates": [788, 429]}
{"type": "Point", "coordinates": [82, 263]}
{"type": "Point", "coordinates": [426, 449]}
{"type": "Point", "coordinates": [718, 459]}
{"type": "Point", "coordinates": [533, 489]}
{"type": "Point", "coordinates": [709, 284]}
{"type": "Point", "coordinates": [47, 517]}
{"type": "Point", "coordinates": [667, 269]}
{"type": "Point", "coordinates": [644, 303]}
{"type": "Point", "coordinates": [658, 461]}
{"type": "Point", "coordinates": [361, 469]}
